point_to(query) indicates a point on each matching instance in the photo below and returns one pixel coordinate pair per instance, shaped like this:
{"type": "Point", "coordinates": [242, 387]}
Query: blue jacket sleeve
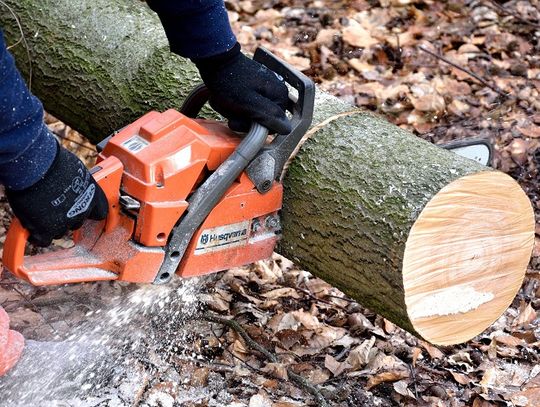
{"type": "Point", "coordinates": [195, 28]}
{"type": "Point", "coordinates": [27, 149]}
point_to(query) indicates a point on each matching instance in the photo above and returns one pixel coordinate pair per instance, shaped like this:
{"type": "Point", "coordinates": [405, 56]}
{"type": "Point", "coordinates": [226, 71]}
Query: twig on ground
{"type": "Point", "coordinates": [467, 71]}
{"type": "Point", "coordinates": [35, 308]}
{"type": "Point", "coordinates": [413, 376]}
{"type": "Point", "coordinates": [9, 282]}
{"type": "Point", "coordinates": [80, 299]}
{"type": "Point", "coordinates": [511, 13]}
{"type": "Point", "coordinates": [233, 355]}
{"type": "Point", "coordinates": [312, 296]}
{"type": "Point", "coordinates": [296, 378]}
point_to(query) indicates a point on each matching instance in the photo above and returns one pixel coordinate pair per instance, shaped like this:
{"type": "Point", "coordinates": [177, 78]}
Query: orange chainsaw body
{"type": "Point", "coordinates": [148, 170]}
{"type": "Point", "coordinates": [186, 196]}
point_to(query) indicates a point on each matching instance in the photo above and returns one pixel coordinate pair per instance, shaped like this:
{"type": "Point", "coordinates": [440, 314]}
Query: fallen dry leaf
{"type": "Point", "coordinates": [462, 359]}
{"type": "Point", "coordinates": [334, 366]}
{"type": "Point", "coordinates": [530, 395]}
{"type": "Point", "coordinates": [281, 292]}
{"type": "Point", "coordinates": [277, 370]}
{"type": "Point", "coordinates": [240, 350]}
{"type": "Point", "coordinates": [508, 340]}
{"type": "Point", "coordinates": [259, 400]}
{"type": "Point", "coordinates": [326, 336]}
{"type": "Point", "coordinates": [526, 315]}
{"type": "Point", "coordinates": [519, 150]}
{"type": "Point", "coordinates": [289, 338]}
{"type": "Point", "coordinates": [306, 319]}
{"type": "Point", "coordinates": [362, 354]}
{"type": "Point", "coordinates": [532, 131]}
{"type": "Point", "coordinates": [479, 402]}
{"type": "Point", "coordinates": [433, 351]}
{"type": "Point", "coordinates": [417, 353]}
{"type": "Point", "coordinates": [382, 362]}
{"type": "Point", "coordinates": [317, 376]}
{"type": "Point", "coordinates": [490, 379]}
{"type": "Point", "coordinates": [390, 376]}
{"type": "Point", "coordinates": [402, 387]}
{"type": "Point", "coordinates": [429, 103]}
{"type": "Point", "coordinates": [25, 317]}
{"type": "Point", "coordinates": [460, 377]}
{"type": "Point", "coordinates": [357, 36]}
{"type": "Point", "coordinates": [287, 321]}
{"type": "Point", "coordinates": [326, 36]}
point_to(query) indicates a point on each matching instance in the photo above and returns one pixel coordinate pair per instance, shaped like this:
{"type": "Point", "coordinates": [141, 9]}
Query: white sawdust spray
{"type": "Point", "coordinates": [452, 300]}
{"type": "Point", "coordinates": [129, 331]}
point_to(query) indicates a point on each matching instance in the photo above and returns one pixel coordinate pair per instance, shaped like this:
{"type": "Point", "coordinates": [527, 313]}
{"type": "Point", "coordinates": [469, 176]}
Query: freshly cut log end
{"type": "Point", "coordinates": [466, 256]}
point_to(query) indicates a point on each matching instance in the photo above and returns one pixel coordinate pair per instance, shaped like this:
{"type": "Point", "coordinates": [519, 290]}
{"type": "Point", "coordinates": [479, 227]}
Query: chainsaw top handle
{"type": "Point", "coordinates": [270, 160]}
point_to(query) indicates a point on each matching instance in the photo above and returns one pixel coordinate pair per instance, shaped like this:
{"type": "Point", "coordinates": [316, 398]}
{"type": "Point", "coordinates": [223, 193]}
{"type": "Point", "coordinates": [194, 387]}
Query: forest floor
{"type": "Point", "coordinates": [446, 71]}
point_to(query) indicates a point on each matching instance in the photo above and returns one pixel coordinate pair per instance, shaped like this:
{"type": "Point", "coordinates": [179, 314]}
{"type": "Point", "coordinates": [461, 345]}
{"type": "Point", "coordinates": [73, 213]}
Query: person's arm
{"type": "Point", "coordinates": [49, 189]}
{"type": "Point", "coordinates": [241, 89]}
{"type": "Point", "coordinates": [27, 149]}
{"type": "Point", "coordinates": [195, 28]}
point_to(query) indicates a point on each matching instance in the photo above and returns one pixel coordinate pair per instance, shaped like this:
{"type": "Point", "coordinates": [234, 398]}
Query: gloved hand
{"type": "Point", "coordinates": [60, 201]}
{"type": "Point", "coordinates": [243, 91]}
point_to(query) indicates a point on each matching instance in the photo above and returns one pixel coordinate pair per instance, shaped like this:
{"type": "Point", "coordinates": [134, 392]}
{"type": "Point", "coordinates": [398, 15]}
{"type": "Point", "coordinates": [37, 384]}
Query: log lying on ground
{"type": "Point", "coordinates": [434, 242]}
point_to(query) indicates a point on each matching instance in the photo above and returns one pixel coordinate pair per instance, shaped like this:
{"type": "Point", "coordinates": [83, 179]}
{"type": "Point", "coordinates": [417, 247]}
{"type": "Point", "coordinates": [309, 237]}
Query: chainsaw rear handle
{"type": "Point", "coordinates": [108, 175]}
{"type": "Point", "coordinates": [269, 162]}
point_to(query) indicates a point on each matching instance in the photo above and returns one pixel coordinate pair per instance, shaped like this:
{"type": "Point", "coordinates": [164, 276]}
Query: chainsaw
{"type": "Point", "coordinates": [475, 149]}
{"type": "Point", "coordinates": [186, 196]}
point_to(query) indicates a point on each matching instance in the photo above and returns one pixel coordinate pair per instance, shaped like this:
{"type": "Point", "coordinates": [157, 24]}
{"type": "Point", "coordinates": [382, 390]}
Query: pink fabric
{"type": "Point", "coordinates": [11, 344]}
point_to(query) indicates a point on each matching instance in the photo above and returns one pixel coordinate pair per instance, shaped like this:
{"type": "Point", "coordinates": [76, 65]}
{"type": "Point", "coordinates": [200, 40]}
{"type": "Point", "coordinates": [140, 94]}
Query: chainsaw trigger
{"type": "Point", "coordinates": [129, 203]}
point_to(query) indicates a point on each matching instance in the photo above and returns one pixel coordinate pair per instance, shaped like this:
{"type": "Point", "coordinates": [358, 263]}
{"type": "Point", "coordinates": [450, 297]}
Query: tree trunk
{"type": "Point", "coordinates": [434, 242]}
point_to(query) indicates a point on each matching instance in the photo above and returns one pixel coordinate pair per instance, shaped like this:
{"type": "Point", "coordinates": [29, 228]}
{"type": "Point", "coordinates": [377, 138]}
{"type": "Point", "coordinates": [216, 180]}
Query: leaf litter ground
{"type": "Point", "coordinates": [444, 70]}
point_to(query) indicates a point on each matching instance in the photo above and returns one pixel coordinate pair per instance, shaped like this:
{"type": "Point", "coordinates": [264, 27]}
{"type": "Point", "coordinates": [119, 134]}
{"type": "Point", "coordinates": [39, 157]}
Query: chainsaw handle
{"type": "Point", "coordinates": [195, 101]}
{"type": "Point", "coordinates": [108, 176]}
{"type": "Point", "coordinates": [206, 197]}
{"type": "Point", "coordinates": [269, 162]}
{"type": "Point", "coordinates": [301, 105]}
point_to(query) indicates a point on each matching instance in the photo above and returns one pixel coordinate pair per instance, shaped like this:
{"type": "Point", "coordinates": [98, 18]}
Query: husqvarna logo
{"type": "Point", "coordinates": [223, 237]}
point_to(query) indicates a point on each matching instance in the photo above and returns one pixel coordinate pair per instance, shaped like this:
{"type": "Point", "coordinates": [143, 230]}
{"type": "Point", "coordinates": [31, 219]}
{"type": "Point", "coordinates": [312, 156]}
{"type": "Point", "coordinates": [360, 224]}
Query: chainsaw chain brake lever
{"type": "Point", "coordinates": [270, 160]}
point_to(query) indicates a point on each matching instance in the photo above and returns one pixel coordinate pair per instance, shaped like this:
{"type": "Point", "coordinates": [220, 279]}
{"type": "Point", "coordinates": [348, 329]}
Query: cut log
{"type": "Point", "coordinates": [434, 242]}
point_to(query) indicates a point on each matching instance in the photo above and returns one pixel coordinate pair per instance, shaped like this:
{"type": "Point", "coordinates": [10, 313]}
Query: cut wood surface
{"type": "Point", "coordinates": [462, 264]}
{"type": "Point", "coordinates": [434, 242]}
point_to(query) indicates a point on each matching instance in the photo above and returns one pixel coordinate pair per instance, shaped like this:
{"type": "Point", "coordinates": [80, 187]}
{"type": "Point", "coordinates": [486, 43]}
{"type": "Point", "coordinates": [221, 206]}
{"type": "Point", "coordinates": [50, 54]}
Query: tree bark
{"type": "Point", "coordinates": [384, 216]}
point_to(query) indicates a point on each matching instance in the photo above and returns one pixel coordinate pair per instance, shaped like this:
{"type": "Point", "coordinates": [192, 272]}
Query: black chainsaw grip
{"type": "Point", "coordinates": [269, 163]}
{"type": "Point", "coordinates": [195, 101]}
{"type": "Point", "coordinates": [302, 107]}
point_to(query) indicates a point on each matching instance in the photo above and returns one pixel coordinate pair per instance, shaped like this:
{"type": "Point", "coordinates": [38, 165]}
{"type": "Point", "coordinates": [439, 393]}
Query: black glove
{"type": "Point", "coordinates": [62, 199]}
{"type": "Point", "coordinates": [244, 91]}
